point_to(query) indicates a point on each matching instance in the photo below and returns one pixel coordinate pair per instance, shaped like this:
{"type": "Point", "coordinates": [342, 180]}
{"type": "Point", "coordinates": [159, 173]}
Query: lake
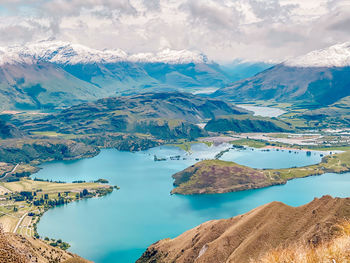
{"type": "Point", "coordinates": [121, 225]}
{"type": "Point", "coordinates": [263, 111]}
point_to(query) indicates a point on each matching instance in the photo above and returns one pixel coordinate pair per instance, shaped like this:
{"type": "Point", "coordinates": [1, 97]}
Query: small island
{"type": "Point", "coordinates": [217, 176]}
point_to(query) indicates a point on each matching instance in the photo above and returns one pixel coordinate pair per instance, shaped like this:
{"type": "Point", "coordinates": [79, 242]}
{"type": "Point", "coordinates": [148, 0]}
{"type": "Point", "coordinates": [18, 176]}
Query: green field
{"type": "Point", "coordinates": [43, 195]}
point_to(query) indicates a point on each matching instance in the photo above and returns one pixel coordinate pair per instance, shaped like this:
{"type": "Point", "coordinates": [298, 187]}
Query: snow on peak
{"type": "Point", "coordinates": [67, 53]}
{"type": "Point", "coordinates": [170, 56]}
{"type": "Point", "coordinates": [334, 56]}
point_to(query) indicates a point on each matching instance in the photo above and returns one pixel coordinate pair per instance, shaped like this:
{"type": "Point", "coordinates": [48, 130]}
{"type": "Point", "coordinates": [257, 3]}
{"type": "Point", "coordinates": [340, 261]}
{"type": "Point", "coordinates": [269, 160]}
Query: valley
{"type": "Point", "coordinates": [155, 136]}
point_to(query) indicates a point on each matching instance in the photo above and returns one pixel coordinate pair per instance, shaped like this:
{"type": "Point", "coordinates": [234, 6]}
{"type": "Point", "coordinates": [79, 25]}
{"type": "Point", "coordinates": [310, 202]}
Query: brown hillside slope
{"type": "Point", "coordinates": [336, 250]}
{"type": "Point", "coordinates": [248, 236]}
{"type": "Point", "coordinates": [216, 176]}
{"type": "Point", "coordinates": [17, 249]}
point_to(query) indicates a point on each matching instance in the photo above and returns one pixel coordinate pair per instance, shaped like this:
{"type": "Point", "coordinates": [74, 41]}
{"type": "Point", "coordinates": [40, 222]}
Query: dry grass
{"type": "Point", "coordinates": [335, 251]}
{"type": "Point", "coordinates": [48, 187]}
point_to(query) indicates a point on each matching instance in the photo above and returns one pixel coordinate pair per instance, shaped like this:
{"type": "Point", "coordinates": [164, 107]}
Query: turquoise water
{"type": "Point", "coordinates": [263, 111]}
{"type": "Point", "coordinates": [272, 158]}
{"type": "Point", "coordinates": [120, 226]}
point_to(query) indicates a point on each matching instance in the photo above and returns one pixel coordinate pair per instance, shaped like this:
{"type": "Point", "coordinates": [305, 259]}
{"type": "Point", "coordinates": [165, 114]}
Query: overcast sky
{"type": "Point", "coordinates": [254, 30]}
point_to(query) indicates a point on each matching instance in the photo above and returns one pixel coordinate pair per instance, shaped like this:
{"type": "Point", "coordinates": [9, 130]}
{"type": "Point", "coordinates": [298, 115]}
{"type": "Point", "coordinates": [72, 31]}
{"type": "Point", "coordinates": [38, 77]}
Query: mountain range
{"type": "Point", "coordinates": [54, 74]}
{"type": "Point", "coordinates": [319, 78]}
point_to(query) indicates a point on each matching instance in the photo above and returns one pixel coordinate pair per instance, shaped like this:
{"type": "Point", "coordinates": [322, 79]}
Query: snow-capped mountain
{"type": "Point", "coordinates": [50, 74]}
{"type": "Point", "coordinates": [170, 57]}
{"type": "Point", "coordinates": [334, 56]}
{"type": "Point", "coordinates": [319, 78]}
{"type": "Point", "coordinates": [67, 53]}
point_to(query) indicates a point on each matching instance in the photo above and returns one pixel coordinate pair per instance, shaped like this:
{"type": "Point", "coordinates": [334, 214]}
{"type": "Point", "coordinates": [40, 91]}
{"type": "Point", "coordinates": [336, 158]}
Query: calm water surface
{"type": "Point", "coordinates": [120, 226]}
{"type": "Point", "coordinates": [263, 111]}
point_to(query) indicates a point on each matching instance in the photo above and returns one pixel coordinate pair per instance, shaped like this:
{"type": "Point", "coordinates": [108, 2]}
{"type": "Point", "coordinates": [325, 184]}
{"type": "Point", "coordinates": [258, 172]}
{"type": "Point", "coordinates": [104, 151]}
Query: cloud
{"type": "Point", "coordinates": [76, 7]}
{"type": "Point", "coordinates": [339, 20]}
{"type": "Point", "coordinates": [269, 30]}
{"type": "Point", "coordinates": [152, 5]}
{"type": "Point", "coordinates": [272, 10]}
{"type": "Point", "coordinates": [212, 15]}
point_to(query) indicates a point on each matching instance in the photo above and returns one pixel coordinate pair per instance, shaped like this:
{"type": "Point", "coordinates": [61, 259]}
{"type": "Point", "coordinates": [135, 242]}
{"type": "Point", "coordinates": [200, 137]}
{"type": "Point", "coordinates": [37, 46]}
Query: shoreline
{"type": "Point", "coordinates": [302, 149]}
{"type": "Point", "coordinates": [43, 239]}
{"type": "Point", "coordinates": [29, 199]}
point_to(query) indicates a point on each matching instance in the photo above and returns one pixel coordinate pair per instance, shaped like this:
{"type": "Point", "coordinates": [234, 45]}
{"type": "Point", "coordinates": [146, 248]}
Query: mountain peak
{"type": "Point", "coordinates": [68, 53]}
{"type": "Point", "coordinates": [335, 56]}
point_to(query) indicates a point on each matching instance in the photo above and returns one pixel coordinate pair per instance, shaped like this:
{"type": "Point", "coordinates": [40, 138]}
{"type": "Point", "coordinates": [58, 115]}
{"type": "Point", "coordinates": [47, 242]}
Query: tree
{"type": "Point", "coordinates": [26, 194]}
{"type": "Point", "coordinates": [85, 192]}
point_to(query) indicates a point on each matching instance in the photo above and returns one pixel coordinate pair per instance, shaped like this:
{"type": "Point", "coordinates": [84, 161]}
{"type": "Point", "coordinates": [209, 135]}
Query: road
{"type": "Point", "coordinates": [9, 173]}
{"type": "Point", "coordinates": [19, 222]}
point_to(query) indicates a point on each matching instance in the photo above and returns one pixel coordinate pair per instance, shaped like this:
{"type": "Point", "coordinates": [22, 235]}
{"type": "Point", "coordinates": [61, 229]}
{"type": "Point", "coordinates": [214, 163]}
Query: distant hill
{"type": "Point", "coordinates": [247, 123]}
{"type": "Point", "coordinates": [239, 69]}
{"type": "Point", "coordinates": [8, 130]}
{"type": "Point", "coordinates": [247, 237]}
{"type": "Point", "coordinates": [164, 115]}
{"type": "Point", "coordinates": [319, 78]}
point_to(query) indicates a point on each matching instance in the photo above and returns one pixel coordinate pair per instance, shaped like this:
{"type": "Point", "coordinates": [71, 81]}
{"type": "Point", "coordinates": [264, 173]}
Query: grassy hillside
{"type": "Point", "coordinates": [334, 250]}
{"type": "Point", "coordinates": [19, 249]}
{"type": "Point", "coordinates": [42, 86]}
{"type": "Point", "coordinates": [247, 237]}
{"type": "Point", "coordinates": [334, 115]}
{"type": "Point", "coordinates": [28, 150]}
{"type": "Point", "coordinates": [8, 130]}
{"type": "Point", "coordinates": [247, 123]}
{"type": "Point", "coordinates": [304, 86]}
